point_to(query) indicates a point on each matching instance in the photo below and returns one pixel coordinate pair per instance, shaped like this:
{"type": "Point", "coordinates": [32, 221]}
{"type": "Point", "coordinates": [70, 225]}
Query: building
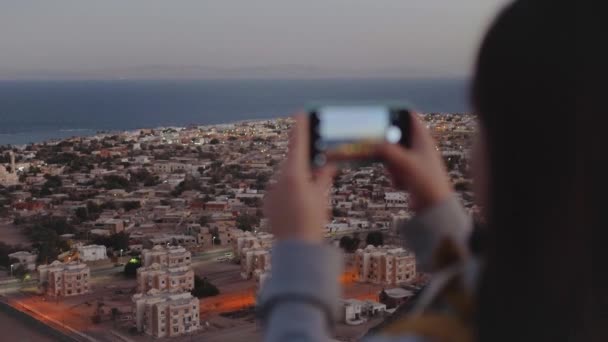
{"type": "Point", "coordinates": [167, 256]}
{"type": "Point", "coordinates": [92, 252]}
{"type": "Point", "coordinates": [254, 262]}
{"type": "Point", "coordinates": [395, 199]}
{"type": "Point", "coordinates": [8, 175]}
{"type": "Point", "coordinates": [163, 314]}
{"type": "Point", "coordinates": [163, 278]}
{"type": "Point", "coordinates": [355, 312]}
{"type": "Point", "coordinates": [114, 226]}
{"type": "Point", "coordinates": [250, 240]}
{"type": "Point", "coordinates": [27, 259]}
{"type": "Point", "coordinates": [171, 239]}
{"type": "Point", "coordinates": [217, 236]}
{"type": "Point", "coordinates": [386, 265]}
{"type": "Point", "coordinates": [64, 279]}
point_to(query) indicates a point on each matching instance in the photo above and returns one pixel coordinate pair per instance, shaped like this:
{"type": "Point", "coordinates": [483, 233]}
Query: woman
{"type": "Point", "coordinates": [536, 283]}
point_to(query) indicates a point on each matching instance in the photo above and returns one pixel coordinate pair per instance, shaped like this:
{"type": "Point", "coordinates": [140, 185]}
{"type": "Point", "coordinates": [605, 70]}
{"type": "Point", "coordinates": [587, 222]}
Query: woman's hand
{"type": "Point", "coordinates": [297, 205]}
{"type": "Point", "coordinates": [419, 169]}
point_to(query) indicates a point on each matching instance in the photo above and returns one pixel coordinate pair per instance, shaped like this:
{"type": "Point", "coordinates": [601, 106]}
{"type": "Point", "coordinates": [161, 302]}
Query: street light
{"type": "Point", "coordinates": [121, 252]}
{"type": "Point", "coordinates": [12, 269]}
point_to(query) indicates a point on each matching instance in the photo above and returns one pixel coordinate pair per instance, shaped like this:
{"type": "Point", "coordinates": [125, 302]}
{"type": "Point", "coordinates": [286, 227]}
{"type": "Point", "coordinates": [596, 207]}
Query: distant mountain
{"type": "Point", "coordinates": [208, 72]}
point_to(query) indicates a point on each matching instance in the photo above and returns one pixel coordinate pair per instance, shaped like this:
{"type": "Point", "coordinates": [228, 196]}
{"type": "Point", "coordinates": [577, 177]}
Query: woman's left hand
{"type": "Point", "coordinates": [297, 205]}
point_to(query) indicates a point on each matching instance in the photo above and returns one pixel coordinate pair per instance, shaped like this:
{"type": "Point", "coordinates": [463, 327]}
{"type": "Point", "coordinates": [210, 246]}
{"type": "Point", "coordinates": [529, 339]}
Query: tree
{"type": "Point", "coordinates": [82, 213]}
{"type": "Point", "coordinates": [128, 206]}
{"type": "Point", "coordinates": [349, 244]}
{"type": "Point", "coordinates": [116, 241]}
{"type": "Point", "coordinates": [115, 182]}
{"type": "Point", "coordinates": [374, 238]}
{"type": "Point", "coordinates": [338, 212]}
{"type": "Point", "coordinates": [131, 267]}
{"type": "Point", "coordinates": [19, 271]}
{"type": "Point", "coordinates": [246, 222]}
{"type": "Point", "coordinates": [203, 288]}
{"type": "Point", "coordinates": [203, 220]}
{"type": "Point", "coordinates": [5, 250]}
{"type": "Point", "coordinates": [52, 181]}
{"type": "Point", "coordinates": [115, 313]}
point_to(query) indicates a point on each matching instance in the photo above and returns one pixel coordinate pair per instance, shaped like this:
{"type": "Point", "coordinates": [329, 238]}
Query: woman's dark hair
{"type": "Point", "coordinates": [537, 282]}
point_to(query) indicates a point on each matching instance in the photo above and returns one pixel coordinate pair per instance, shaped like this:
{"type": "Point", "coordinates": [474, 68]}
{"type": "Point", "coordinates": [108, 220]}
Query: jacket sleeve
{"type": "Point", "coordinates": [299, 301]}
{"type": "Point", "coordinates": [445, 220]}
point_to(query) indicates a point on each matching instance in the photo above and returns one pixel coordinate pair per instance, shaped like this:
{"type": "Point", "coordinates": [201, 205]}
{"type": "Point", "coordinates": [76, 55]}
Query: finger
{"type": "Point", "coordinates": [297, 159]}
{"type": "Point", "coordinates": [420, 134]}
{"type": "Point", "coordinates": [324, 177]}
{"type": "Point", "coordinates": [398, 158]}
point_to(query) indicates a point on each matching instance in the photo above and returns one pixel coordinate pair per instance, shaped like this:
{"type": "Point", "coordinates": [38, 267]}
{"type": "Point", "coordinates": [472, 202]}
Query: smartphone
{"type": "Point", "coordinates": [349, 133]}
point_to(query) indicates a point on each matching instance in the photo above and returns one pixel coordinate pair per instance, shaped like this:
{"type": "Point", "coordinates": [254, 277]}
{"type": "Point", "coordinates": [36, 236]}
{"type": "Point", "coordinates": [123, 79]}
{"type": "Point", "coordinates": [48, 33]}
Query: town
{"type": "Point", "coordinates": [160, 233]}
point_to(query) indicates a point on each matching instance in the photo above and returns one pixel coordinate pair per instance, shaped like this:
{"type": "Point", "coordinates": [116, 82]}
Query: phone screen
{"type": "Point", "coordinates": [345, 132]}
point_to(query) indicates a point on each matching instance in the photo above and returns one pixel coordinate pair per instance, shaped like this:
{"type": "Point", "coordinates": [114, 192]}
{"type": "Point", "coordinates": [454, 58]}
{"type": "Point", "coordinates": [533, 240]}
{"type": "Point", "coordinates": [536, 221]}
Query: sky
{"type": "Point", "coordinates": [181, 38]}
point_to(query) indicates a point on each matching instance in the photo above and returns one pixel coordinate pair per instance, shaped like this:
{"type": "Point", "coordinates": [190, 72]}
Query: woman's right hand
{"type": "Point", "coordinates": [418, 169]}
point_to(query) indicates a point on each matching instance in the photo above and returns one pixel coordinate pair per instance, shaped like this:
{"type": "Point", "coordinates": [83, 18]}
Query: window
{"type": "Point", "coordinates": [175, 329]}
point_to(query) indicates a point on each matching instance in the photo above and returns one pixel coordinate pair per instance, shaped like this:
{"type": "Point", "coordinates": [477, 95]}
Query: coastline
{"type": "Point", "coordinates": [58, 137]}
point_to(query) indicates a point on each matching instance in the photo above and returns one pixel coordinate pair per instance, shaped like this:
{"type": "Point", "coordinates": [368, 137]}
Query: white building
{"type": "Point", "coordinates": [92, 252]}
{"type": "Point", "coordinates": [27, 259]}
{"type": "Point", "coordinates": [163, 314]}
{"type": "Point", "coordinates": [355, 312]}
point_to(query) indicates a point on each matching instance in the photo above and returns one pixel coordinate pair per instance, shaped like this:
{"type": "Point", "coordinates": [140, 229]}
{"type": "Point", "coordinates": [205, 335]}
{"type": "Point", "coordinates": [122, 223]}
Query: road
{"type": "Point", "coordinates": [105, 271]}
{"type": "Point", "coordinates": [35, 308]}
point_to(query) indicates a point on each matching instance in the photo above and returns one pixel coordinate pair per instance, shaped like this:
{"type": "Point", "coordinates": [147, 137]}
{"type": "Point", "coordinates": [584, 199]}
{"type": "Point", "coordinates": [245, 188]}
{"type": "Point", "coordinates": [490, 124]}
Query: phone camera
{"type": "Point", "coordinates": [393, 134]}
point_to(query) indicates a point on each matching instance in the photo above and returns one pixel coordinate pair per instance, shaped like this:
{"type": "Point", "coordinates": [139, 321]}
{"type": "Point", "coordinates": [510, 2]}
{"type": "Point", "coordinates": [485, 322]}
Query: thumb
{"type": "Point", "coordinates": [397, 158]}
{"type": "Point", "coordinates": [324, 177]}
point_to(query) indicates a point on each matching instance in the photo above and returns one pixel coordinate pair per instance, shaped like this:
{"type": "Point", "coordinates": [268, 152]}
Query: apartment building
{"type": "Point", "coordinates": [397, 199]}
{"type": "Point", "coordinates": [163, 278]}
{"type": "Point", "coordinates": [171, 256]}
{"type": "Point", "coordinates": [254, 262]}
{"type": "Point", "coordinates": [386, 265]}
{"type": "Point", "coordinates": [64, 279]}
{"type": "Point", "coordinates": [251, 240]}
{"type": "Point", "coordinates": [163, 314]}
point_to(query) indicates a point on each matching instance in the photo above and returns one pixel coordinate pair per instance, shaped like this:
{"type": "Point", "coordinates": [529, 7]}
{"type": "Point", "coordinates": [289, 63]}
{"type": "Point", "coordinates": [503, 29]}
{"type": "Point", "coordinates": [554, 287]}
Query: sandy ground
{"type": "Point", "coordinates": [14, 329]}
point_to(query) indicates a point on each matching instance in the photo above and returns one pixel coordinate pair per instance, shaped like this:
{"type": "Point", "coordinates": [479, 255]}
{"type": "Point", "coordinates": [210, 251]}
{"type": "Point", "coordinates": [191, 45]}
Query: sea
{"type": "Point", "coordinates": [37, 111]}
